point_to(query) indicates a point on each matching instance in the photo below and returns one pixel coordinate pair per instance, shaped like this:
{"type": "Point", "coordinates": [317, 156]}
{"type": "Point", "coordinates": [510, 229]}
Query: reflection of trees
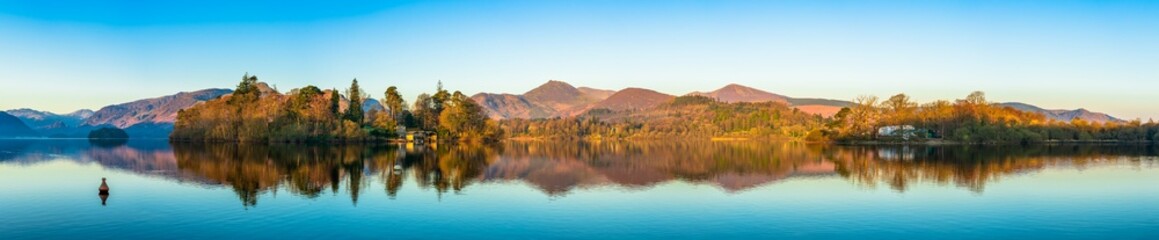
{"type": "Point", "coordinates": [254, 169]}
{"type": "Point", "coordinates": [970, 167]}
{"type": "Point", "coordinates": [557, 167]}
{"type": "Point", "coordinates": [449, 167]}
{"type": "Point", "coordinates": [310, 170]}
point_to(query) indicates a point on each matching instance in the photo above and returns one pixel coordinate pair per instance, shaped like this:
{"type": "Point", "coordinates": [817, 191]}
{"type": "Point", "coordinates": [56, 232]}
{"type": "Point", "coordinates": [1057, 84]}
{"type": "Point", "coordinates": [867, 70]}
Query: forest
{"type": "Point", "coordinates": [256, 113]}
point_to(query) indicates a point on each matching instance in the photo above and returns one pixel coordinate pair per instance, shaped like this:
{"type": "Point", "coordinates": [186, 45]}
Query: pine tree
{"type": "Point", "coordinates": [334, 99]}
{"type": "Point", "coordinates": [354, 110]}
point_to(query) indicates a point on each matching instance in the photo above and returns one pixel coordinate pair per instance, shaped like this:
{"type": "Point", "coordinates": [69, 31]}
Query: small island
{"type": "Point", "coordinates": [256, 113]}
{"type": "Point", "coordinates": [108, 133]}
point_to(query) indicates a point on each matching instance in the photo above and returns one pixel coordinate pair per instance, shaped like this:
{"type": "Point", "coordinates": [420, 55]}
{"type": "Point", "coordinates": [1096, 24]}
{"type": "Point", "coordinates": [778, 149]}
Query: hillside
{"type": "Point", "coordinates": [641, 113]}
{"type": "Point", "coordinates": [733, 93]}
{"type": "Point", "coordinates": [632, 99]}
{"type": "Point", "coordinates": [823, 107]}
{"type": "Point", "coordinates": [557, 96]}
{"type": "Point", "coordinates": [552, 99]}
{"type": "Point", "coordinates": [596, 93]}
{"type": "Point", "coordinates": [161, 110]}
{"type": "Point", "coordinates": [11, 126]}
{"type": "Point", "coordinates": [504, 106]}
{"type": "Point", "coordinates": [1063, 115]}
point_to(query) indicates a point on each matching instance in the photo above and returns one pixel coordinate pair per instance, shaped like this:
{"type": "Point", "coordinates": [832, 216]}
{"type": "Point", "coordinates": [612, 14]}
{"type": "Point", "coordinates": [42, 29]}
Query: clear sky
{"type": "Point", "coordinates": [1101, 55]}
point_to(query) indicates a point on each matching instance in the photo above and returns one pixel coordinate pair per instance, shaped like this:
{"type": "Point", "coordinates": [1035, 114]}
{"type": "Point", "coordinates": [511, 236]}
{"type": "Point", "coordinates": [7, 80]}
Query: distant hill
{"type": "Point", "coordinates": [43, 120]}
{"type": "Point", "coordinates": [1063, 115]}
{"type": "Point", "coordinates": [824, 107]}
{"type": "Point", "coordinates": [733, 93]}
{"type": "Point", "coordinates": [162, 110]}
{"type": "Point", "coordinates": [557, 96]}
{"type": "Point", "coordinates": [633, 98]}
{"type": "Point", "coordinates": [504, 106]}
{"type": "Point", "coordinates": [593, 93]}
{"type": "Point", "coordinates": [11, 126]}
{"type": "Point", "coordinates": [552, 99]}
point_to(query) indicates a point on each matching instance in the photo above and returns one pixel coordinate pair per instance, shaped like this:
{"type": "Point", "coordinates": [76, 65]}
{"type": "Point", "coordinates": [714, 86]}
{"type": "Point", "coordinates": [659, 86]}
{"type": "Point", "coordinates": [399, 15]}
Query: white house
{"type": "Point", "coordinates": [903, 131]}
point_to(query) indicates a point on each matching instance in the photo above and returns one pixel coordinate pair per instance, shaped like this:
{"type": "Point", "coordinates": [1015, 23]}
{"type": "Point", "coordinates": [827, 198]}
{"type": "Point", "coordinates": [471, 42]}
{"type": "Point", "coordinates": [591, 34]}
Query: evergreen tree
{"type": "Point", "coordinates": [247, 90]}
{"type": "Point", "coordinates": [354, 110]}
{"type": "Point", "coordinates": [440, 98]}
{"type": "Point", "coordinates": [334, 100]}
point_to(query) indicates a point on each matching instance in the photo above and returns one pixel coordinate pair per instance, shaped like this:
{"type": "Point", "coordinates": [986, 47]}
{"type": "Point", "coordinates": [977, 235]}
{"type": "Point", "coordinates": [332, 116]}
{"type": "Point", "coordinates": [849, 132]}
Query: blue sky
{"type": "Point", "coordinates": [1101, 55]}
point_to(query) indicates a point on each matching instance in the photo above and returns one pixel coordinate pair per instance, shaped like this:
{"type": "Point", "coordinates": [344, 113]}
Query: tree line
{"type": "Point", "coordinates": [255, 113]}
{"type": "Point", "coordinates": [977, 121]}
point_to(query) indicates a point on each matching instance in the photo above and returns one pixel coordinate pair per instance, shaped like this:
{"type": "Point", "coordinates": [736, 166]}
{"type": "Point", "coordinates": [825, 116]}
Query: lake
{"type": "Point", "coordinates": [576, 190]}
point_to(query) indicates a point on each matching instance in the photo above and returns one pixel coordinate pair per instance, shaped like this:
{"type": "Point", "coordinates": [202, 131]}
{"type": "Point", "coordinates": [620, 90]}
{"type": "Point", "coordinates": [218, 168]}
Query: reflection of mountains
{"type": "Point", "coordinates": [558, 168]}
{"type": "Point", "coordinates": [142, 157]}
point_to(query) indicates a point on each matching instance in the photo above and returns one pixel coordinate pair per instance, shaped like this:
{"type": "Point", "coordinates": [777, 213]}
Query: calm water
{"type": "Point", "coordinates": [570, 190]}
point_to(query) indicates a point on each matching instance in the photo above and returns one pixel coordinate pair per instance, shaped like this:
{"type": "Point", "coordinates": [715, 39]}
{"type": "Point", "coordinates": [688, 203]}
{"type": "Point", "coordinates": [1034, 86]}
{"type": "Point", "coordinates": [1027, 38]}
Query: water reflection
{"type": "Point", "coordinates": [558, 168]}
{"type": "Point", "coordinates": [104, 198]}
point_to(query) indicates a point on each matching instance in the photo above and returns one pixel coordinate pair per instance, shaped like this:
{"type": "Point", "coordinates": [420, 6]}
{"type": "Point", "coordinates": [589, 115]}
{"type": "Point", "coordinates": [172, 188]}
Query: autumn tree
{"type": "Point", "coordinates": [863, 117]}
{"type": "Point", "coordinates": [424, 113]}
{"type": "Point", "coordinates": [463, 118]}
{"type": "Point", "coordinates": [394, 102]}
{"type": "Point", "coordinates": [898, 110]}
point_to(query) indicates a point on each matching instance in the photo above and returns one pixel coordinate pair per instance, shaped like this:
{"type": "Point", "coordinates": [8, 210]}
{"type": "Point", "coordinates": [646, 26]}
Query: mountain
{"type": "Point", "coordinates": [82, 114]}
{"type": "Point", "coordinates": [161, 110]}
{"type": "Point", "coordinates": [503, 106]}
{"type": "Point", "coordinates": [733, 93]}
{"type": "Point", "coordinates": [557, 96]}
{"type": "Point", "coordinates": [11, 126]}
{"type": "Point", "coordinates": [42, 120]}
{"type": "Point", "coordinates": [593, 93]}
{"type": "Point", "coordinates": [633, 98]}
{"type": "Point", "coordinates": [552, 99]}
{"type": "Point", "coordinates": [1063, 115]}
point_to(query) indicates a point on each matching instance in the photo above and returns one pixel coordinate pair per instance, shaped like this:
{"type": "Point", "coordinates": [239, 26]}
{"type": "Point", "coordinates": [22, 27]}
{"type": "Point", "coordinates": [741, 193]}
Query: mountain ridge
{"type": "Point", "coordinates": [11, 126]}
{"type": "Point", "coordinates": [1063, 115]}
{"type": "Point", "coordinates": [151, 110]}
{"type": "Point", "coordinates": [552, 99]}
{"type": "Point", "coordinates": [560, 99]}
{"type": "Point", "coordinates": [40, 120]}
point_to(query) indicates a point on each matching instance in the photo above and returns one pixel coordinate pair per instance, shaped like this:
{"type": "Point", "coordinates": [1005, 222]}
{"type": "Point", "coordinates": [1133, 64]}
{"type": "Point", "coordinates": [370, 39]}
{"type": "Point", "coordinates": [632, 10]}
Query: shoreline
{"type": "Point", "coordinates": [939, 142]}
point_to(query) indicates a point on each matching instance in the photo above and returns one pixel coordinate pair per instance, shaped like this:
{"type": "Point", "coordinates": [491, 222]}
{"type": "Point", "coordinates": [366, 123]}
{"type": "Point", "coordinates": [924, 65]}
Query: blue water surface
{"type": "Point", "coordinates": [570, 190]}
